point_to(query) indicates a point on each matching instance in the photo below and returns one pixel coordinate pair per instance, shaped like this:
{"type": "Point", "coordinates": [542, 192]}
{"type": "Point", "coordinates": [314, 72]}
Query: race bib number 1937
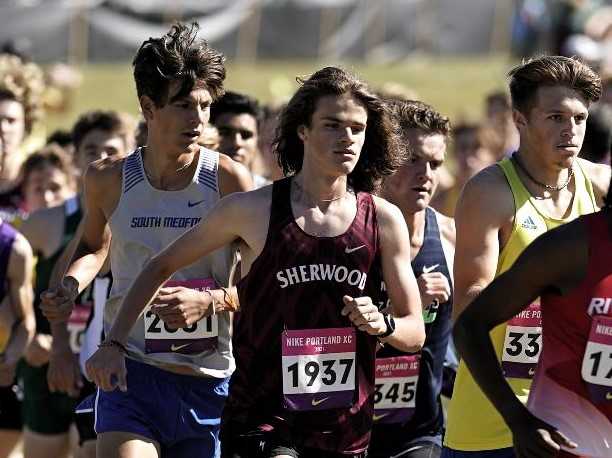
{"type": "Point", "coordinates": [318, 368]}
{"type": "Point", "coordinates": [523, 343]}
{"type": "Point", "coordinates": [197, 338]}
{"type": "Point", "coordinates": [597, 361]}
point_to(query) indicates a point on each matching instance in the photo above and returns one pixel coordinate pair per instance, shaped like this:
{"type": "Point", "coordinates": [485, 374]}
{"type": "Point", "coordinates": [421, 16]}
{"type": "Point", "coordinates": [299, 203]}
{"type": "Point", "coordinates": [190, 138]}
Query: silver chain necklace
{"type": "Point", "coordinates": [539, 183]}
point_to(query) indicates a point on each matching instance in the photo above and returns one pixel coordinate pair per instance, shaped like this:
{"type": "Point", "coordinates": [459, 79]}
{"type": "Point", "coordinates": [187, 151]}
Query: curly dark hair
{"type": "Point", "coordinates": [380, 155]}
{"type": "Point", "coordinates": [178, 56]}
{"type": "Point", "coordinates": [528, 77]}
{"type": "Point", "coordinates": [414, 114]}
{"type": "Point", "coordinates": [109, 121]}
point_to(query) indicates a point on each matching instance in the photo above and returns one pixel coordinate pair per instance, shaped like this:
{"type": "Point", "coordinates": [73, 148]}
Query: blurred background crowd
{"type": "Point", "coordinates": [66, 96]}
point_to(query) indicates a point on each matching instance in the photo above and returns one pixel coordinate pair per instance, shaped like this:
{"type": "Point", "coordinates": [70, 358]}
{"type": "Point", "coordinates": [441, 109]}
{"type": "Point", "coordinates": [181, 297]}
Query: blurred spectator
{"type": "Point", "coordinates": [267, 165]}
{"type": "Point", "coordinates": [100, 134]}
{"type": "Point", "coordinates": [21, 89]}
{"type": "Point", "coordinates": [237, 117]}
{"type": "Point", "coordinates": [530, 26]}
{"type": "Point", "coordinates": [472, 152]}
{"type": "Point", "coordinates": [597, 144]}
{"type": "Point", "coordinates": [48, 179]}
{"type": "Point", "coordinates": [498, 118]}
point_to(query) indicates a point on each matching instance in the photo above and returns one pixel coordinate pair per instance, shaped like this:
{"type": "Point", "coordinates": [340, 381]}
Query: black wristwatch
{"type": "Point", "coordinates": [390, 322]}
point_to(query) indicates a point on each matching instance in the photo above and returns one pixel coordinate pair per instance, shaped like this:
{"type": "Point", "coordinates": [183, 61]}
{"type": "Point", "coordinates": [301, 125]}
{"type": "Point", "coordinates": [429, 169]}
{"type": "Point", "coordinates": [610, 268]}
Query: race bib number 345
{"type": "Point", "coordinates": [396, 384]}
{"type": "Point", "coordinates": [318, 368]}
{"type": "Point", "coordinates": [197, 338]}
{"type": "Point", "coordinates": [597, 361]}
{"type": "Point", "coordinates": [523, 343]}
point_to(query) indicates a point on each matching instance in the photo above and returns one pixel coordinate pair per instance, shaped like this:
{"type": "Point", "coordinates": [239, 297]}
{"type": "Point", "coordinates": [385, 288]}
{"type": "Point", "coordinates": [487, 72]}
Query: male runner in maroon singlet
{"type": "Point", "coordinates": [306, 336]}
{"type": "Point", "coordinates": [569, 412]}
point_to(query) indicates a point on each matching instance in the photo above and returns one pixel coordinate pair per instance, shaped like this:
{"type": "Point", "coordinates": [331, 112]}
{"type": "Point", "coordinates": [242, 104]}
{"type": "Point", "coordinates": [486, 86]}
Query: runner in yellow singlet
{"type": "Point", "coordinates": [501, 211]}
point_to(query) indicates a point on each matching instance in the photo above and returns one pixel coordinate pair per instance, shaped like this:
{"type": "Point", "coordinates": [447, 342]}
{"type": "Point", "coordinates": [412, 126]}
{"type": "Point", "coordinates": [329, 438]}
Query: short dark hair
{"type": "Point", "coordinates": [414, 114]}
{"type": "Point", "coordinates": [380, 155]}
{"type": "Point", "coordinates": [50, 156]}
{"type": "Point", "coordinates": [236, 103]}
{"type": "Point", "coordinates": [109, 121]}
{"type": "Point", "coordinates": [178, 56]}
{"type": "Point", "coordinates": [528, 77]}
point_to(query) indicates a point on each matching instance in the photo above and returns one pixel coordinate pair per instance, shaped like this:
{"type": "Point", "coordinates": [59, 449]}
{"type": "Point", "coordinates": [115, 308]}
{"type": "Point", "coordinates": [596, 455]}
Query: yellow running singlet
{"type": "Point", "coordinates": [473, 423]}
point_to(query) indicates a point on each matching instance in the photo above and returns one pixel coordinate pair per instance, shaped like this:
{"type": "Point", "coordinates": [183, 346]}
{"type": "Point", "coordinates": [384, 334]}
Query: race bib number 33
{"type": "Point", "coordinates": [197, 338]}
{"type": "Point", "coordinates": [523, 343]}
{"type": "Point", "coordinates": [318, 368]}
{"type": "Point", "coordinates": [597, 361]}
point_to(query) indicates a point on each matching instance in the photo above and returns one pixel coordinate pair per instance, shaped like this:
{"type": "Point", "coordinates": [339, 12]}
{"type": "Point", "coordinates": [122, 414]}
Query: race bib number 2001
{"type": "Point", "coordinates": [523, 343]}
{"type": "Point", "coordinates": [318, 368]}
{"type": "Point", "coordinates": [197, 338]}
{"type": "Point", "coordinates": [597, 361]}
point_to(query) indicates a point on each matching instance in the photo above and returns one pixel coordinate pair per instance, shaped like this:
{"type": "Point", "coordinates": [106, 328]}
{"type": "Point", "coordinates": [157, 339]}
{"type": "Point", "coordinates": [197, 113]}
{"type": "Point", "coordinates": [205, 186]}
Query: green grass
{"type": "Point", "coordinates": [455, 86]}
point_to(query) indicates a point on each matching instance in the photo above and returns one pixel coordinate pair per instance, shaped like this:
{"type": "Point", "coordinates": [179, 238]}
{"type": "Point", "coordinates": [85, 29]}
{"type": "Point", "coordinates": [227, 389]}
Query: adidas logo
{"type": "Point", "coordinates": [528, 223]}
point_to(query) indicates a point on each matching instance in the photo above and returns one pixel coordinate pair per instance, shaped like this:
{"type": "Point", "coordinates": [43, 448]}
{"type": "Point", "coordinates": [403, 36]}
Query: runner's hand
{"type": "Point", "coordinates": [106, 368]}
{"type": "Point", "coordinates": [364, 315]}
{"type": "Point", "coordinates": [64, 374]}
{"type": "Point", "coordinates": [57, 303]}
{"type": "Point", "coordinates": [38, 352]}
{"type": "Point", "coordinates": [180, 307]}
{"type": "Point", "coordinates": [534, 438]}
{"type": "Point", "coordinates": [434, 286]}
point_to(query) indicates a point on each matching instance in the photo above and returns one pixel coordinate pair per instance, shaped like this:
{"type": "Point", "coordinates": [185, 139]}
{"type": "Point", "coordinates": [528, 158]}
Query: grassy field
{"type": "Point", "coordinates": [455, 86]}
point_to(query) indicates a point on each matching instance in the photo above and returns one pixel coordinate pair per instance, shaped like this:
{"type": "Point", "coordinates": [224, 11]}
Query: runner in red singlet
{"type": "Point", "coordinates": [305, 338]}
{"type": "Point", "coordinates": [570, 404]}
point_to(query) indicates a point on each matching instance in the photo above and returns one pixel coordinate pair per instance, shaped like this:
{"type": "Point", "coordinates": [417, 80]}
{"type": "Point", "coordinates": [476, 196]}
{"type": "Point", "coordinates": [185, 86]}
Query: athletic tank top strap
{"type": "Point", "coordinates": [207, 173]}
{"type": "Point", "coordinates": [133, 171]}
{"type": "Point", "coordinates": [280, 211]}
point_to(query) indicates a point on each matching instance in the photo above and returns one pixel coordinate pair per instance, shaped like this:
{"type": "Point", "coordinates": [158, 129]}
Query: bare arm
{"type": "Point", "coordinates": [20, 268]}
{"type": "Point", "coordinates": [485, 205]}
{"type": "Point", "coordinates": [502, 300]}
{"type": "Point", "coordinates": [233, 176]}
{"type": "Point", "coordinates": [401, 284]}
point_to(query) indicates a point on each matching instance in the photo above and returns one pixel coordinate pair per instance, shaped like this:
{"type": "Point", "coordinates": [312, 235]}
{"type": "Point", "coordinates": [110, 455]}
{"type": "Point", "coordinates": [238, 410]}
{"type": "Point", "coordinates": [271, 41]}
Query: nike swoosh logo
{"type": "Point", "coordinates": [426, 269]}
{"type": "Point", "coordinates": [178, 347]}
{"type": "Point", "coordinates": [348, 250]}
{"type": "Point", "coordinates": [316, 402]}
{"type": "Point", "coordinates": [609, 396]}
{"type": "Point", "coordinates": [378, 417]}
{"type": "Point", "coordinates": [193, 204]}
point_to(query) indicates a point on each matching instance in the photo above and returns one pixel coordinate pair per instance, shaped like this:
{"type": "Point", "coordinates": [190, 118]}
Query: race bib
{"type": "Point", "coordinates": [523, 343]}
{"type": "Point", "coordinates": [318, 368]}
{"type": "Point", "coordinates": [197, 338]}
{"type": "Point", "coordinates": [396, 384]}
{"type": "Point", "coordinates": [597, 361]}
{"type": "Point", "coordinates": [77, 325]}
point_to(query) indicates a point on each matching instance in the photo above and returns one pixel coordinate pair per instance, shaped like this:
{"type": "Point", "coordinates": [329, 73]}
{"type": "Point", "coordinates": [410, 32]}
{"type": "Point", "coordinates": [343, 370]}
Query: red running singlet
{"type": "Point", "coordinates": [572, 388]}
{"type": "Point", "coordinates": [303, 371]}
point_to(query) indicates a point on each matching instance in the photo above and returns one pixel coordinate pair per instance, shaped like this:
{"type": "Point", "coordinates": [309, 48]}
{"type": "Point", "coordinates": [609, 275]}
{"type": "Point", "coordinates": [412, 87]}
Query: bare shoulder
{"type": "Point", "coordinates": [249, 204]}
{"type": "Point", "coordinates": [21, 258]}
{"type": "Point", "coordinates": [104, 171]}
{"type": "Point", "coordinates": [233, 176]}
{"type": "Point", "coordinates": [446, 225]}
{"type": "Point", "coordinates": [599, 175]}
{"type": "Point", "coordinates": [386, 212]}
{"type": "Point", "coordinates": [486, 198]}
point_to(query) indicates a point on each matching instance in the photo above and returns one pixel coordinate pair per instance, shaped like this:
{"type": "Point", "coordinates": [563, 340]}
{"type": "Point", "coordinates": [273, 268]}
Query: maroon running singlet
{"type": "Point", "coordinates": [572, 388]}
{"type": "Point", "coordinates": [304, 373]}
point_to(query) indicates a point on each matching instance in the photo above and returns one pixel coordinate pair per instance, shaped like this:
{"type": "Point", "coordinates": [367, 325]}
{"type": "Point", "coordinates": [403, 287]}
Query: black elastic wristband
{"type": "Point", "coordinates": [390, 322]}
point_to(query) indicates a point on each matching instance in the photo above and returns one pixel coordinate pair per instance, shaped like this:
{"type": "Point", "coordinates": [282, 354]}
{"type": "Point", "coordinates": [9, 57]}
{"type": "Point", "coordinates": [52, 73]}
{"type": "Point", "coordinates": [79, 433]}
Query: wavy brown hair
{"type": "Point", "coordinates": [178, 56]}
{"type": "Point", "coordinates": [527, 78]}
{"type": "Point", "coordinates": [380, 155]}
